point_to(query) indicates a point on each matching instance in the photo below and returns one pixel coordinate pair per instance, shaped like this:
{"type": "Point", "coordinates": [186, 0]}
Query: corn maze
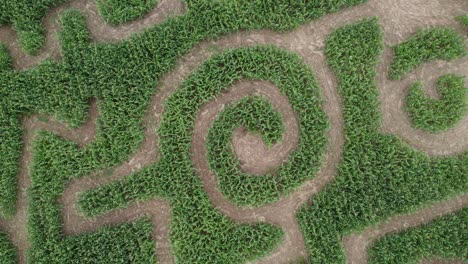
{"type": "Point", "coordinates": [233, 131]}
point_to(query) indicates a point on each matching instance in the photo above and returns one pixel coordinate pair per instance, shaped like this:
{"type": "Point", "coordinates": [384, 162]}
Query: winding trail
{"type": "Point", "coordinates": [398, 18]}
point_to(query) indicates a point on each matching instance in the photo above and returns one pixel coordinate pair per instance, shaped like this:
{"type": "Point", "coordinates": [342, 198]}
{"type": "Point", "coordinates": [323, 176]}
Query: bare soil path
{"type": "Point", "coordinates": [399, 19]}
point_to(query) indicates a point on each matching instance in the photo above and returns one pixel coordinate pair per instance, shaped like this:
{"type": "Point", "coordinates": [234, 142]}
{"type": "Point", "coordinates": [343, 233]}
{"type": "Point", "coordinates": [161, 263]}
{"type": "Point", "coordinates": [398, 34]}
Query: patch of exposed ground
{"type": "Point", "coordinates": [399, 19]}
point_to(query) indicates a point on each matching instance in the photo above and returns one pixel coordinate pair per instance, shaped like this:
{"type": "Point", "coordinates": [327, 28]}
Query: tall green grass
{"type": "Point", "coordinates": [437, 115]}
{"type": "Point", "coordinates": [444, 237]}
{"type": "Point", "coordinates": [7, 250]}
{"type": "Point", "coordinates": [379, 175]}
{"type": "Point", "coordinates": [426, 45]}
{"type": "Point", "coordinates": [126, 243]}
{"type": "Point", "coordinates": [25, 17]}
{"type": "Point", "coordinates": [120, 11]}
{"type": "Point", "coordinates": [5, 59]}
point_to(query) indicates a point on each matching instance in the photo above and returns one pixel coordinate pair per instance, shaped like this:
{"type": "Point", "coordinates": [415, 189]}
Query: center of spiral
{"type": "Point", "coordinates": [255, 157]}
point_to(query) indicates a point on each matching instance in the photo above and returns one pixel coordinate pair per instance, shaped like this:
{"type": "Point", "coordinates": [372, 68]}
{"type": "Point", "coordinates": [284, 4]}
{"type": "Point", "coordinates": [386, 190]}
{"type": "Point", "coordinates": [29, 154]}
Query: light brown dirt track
{"type": "Point", "coordinates": [399, 19]}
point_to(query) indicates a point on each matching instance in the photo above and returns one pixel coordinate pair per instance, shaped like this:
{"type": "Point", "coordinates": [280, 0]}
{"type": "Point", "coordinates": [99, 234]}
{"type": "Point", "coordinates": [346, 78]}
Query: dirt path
{"type": "Point", "coordinates": [399, 19]}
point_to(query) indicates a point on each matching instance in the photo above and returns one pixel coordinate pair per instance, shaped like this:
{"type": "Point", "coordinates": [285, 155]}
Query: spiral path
{"type": "Point", "coordinates": [399, 19]}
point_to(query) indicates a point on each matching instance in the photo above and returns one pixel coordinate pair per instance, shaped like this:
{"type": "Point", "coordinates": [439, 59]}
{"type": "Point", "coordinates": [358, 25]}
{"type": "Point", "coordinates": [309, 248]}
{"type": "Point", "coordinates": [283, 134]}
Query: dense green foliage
{"type": "Point", "coordinates": [273, 14]}
{"type": "Point", "coordinates": [5, 59]}
{"type": "Point", "coordinates": [123, 76]}
{"type": "Point", "coordinates": [436, 115]}
{"type": "Point", "coordinates": [379, 175]}
{"type": "Point", "coordinates": [445, 237]}
{"type": "Point", "coordinates": [121, 11]}
{"type": "Point", "coordinates": [126, 243]}
{"type": "Point", "coordinates": [7, 251]}
{"type": "Point", "coordinates": [246, 189]}
{"type": "Point", "coordinates": [25, 17]}
{"type": "Point", "coordinates": [425, 46]}
{"type": "Point", "coordinates": [463, 19]}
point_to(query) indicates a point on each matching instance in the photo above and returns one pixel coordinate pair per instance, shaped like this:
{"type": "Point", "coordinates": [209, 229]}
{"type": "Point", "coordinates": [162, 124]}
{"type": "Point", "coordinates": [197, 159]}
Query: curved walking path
{"type": "Point", "coordinates": [399, 19]}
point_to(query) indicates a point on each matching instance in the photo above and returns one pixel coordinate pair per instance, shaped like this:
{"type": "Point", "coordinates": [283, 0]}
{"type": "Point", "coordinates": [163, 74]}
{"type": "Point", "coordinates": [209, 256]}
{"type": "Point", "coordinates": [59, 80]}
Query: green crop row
{"type": "Point", "coordinates": [120, 11]}
{"type": "Point", "coordinates": [379, 175]}
{"type": "Point", "coordinates": [5, 59]}
{"type": "Point", "coordinates": [125, 243]}
{"type": "Point", "coordinates": [444, 238]}
{"type": "Point", "coordinates": [463, 19]}
{"type": "Point", "coordinates": [437, 115]}
{"type": "Point", "coordinates": [7, 251]}
{"type": "Point", "coordinates": [426, 45]}
{"type": "Point", "coordinates": [123, 76]}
